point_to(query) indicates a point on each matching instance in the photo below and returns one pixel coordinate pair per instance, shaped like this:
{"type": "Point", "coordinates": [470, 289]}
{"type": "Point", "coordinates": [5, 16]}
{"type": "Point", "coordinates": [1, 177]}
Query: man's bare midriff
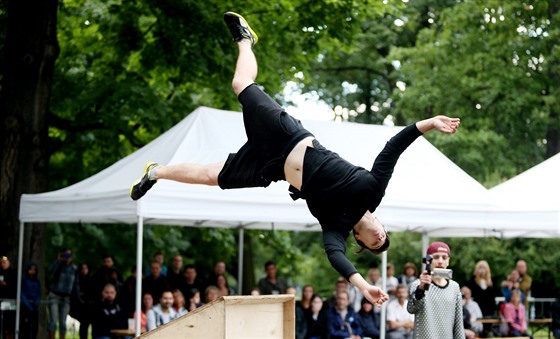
{"type": "Point", "coordinates": [293, 167]}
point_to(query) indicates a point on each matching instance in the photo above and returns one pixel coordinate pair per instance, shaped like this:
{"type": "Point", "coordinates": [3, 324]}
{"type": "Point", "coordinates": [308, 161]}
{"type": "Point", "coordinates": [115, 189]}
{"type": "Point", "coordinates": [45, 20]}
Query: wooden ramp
{"type": "Point", "coordinates": [264, 316]}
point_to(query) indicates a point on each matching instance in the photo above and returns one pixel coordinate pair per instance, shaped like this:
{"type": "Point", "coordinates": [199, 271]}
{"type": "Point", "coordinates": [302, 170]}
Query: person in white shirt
{"type": "Point", "coordinates": [473, 308]}
{"type": "Point", "coordinates": [163, 312]}
{"type": "Point", "coordinates": [400, 323]}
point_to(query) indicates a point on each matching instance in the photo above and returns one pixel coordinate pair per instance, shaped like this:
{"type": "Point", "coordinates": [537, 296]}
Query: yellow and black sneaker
{"type": "Point", "coordinates": [142, 185]}
{"type": "Point", "coordinates": [239, 28]}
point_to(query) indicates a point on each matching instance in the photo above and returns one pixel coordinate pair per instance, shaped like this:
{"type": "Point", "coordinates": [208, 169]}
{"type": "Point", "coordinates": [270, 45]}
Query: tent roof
{"type": "Point", "coordinates": [428, 192]}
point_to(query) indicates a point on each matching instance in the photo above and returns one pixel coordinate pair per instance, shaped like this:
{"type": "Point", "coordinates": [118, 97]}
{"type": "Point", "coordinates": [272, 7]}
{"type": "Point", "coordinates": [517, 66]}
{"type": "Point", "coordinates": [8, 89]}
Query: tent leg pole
{"type": "Point", "coordinates": [139, 242]}
{"type": "Point", "coordinates": [382, 323]}
{"type": "Point", "coordinates": [19, 276]}
{"type": "Point", "coordinates": [240, 261]}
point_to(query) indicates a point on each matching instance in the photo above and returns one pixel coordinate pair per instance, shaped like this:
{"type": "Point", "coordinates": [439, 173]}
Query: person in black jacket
{"type": "Point", "coordinates": [107, 315]}
{"type": "Point", "coordinates": [340, 195]}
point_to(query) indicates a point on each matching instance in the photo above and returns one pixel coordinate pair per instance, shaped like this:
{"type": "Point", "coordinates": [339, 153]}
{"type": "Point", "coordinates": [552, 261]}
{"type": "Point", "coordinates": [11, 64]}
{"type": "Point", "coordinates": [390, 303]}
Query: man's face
{"type": "Point", "coordinates": [220, 267]}
{"type": "Point", "coordinates": [521, 267]}
{"type": "Point", "coordinates": [271, 271]}
{"type": "Point", "coordinates": [177, 262]}
{"type": "Point", "coordinates": [441, 260]}
{"type": "Point", "coordinates": [375, 235]}
{"type": "Point", "coordinates": [402, 294]}
{"type": "Point", "coordinates": [108, 262]}
{"type": "Point", "coordinates": [466, 293]}
{"type": "Point", "coordinates": [5, 264]}
{"type": "Point", "coordinates": [155, 269]}
{"type": "Point", "coordinates": [190, 274]}
{"type": "Point", "coordinates": [109, 294]}
{"type": "Point", "coordinates": [166, 300]}
{"type": "Point", "coordinates": [342, 301]}
{"type": "Point", "coordinates": [159, 258]}
{"type": "Point", "coordinates": [373, 275]}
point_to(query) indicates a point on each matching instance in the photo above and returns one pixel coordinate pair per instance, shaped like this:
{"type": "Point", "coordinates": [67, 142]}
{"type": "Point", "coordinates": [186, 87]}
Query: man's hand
{"type": "Point", "coordinates": [375, 295]}
{"type": "Point", "coordinates": [445, 124]}
{"type": "Point", "coordinates": [440, 123]}
{"type": "Point", "coordinates": [425, 280]}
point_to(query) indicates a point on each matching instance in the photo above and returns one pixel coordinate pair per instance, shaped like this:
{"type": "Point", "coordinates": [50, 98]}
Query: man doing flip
{"type": "Point", "coordinates": [340, 195]}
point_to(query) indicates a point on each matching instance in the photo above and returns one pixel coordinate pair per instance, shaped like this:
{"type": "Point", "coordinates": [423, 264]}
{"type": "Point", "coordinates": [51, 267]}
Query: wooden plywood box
{"type": "Point", "coordinates": [264, 316]}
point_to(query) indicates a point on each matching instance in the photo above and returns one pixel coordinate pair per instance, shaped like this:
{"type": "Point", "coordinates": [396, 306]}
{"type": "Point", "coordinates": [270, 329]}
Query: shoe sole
{"type": "Point", "coordinates": [140, 179]}
{"type": "Point", "coordinates": [255, 36]}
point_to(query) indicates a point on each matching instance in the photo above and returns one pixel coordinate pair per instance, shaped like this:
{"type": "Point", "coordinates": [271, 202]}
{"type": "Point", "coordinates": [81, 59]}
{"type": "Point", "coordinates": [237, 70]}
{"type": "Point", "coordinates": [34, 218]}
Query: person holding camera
{"type": "Point", "coordinates": [436, 301]}
{"type": "Point", "coordinates": [64, 284]}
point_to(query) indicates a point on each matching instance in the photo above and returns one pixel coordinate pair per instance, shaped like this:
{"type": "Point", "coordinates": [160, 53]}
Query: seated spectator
{"type": "Point", "coordinates": [512, 284]}
{"type": "Point", "coordinates": [474, 310]}
{"type": "Point", "coordinates": [400, 323]}
{"type": "Point", "coordinates": [555, 314]}
{"type": "Point", "coordinates": [343, 321]}
{"type": "Point", "coordinates": [369, 320]}
{"type": "Point", "coordinates": [301, 324]}
{"type": "Point", "coordinates": [223, 286]}
{"type": "Point", "coordinates": [194, 300]}
{"type": "Point", "coordinates": [179, 303]}
{"type": "Point", "coordinates": [163, 312]}
{"type": "Point", "coordinates": [147, 304]}
{"type": "Point", "coordinates": [514, 313]}
{"type": "Point", "coordinates": [255, 291]}
{"type": "Point", "coordinates": [107, 314]}
{"type": "Point", "coordinates": [191, 281]}
{"type": "Point", "coordinates": [317, 322]}
{"type": "Point", "coordinates": [467, 324]}
{"type": "Point", "coordinates": [212, 293]}
{"type": "Point", "coordinates": [409, 274]}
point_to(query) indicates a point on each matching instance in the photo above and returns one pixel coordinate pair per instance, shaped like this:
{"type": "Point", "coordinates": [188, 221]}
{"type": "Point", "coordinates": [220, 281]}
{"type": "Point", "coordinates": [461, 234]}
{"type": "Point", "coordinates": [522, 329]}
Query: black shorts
{"type": "Point", "coordinates": [271, 135]}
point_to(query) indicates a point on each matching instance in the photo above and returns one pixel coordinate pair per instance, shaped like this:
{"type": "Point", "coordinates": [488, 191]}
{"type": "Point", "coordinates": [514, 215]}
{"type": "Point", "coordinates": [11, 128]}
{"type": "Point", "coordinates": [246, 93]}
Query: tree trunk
{"type": "Point", "coordinates": [30, 51]}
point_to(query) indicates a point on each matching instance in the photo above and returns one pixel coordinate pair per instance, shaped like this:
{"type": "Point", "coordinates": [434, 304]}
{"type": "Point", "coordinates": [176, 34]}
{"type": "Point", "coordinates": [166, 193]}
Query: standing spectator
{"type": "Point", "coordinates": [306, 295]}
{"type": "Point", "coordinates": [128, 292]}
{"type": "Point", "coordinates": [409, 274]}
{"type": "Point", "coordinates": [107, 314]}
{"type": "Point", "coordinates": [369, 320]}
{"type": "Point", "coordinates": [163, 312]}
{"type": "Point", "coordinates": [271, 283]}
{"type": "Point", "coordinates": [221, 268]}
{"type": "Point", "coordinates": [392, 281]}
{"type": "Point", "coordinates": [482, 288]}
{"type": "Point", "coordinates": [514, 313]}
{"type": "Point", "coordinates": [147, 304]}
{"type": "Point", "coordinates": [190, 282]}
{"type": "Point", "coordinates": [317, 319]}
{"type": "Point", "coordinates": [474, 309]}
{"type": "Point", "coordinates": [175, 275]}
{"type": "Point", "coordinates": [526, 280]}
{"type": "Point", "coordinates": [511, 284]}
{"type": "Point", "coordinates": [343, 321]}
{"type": "Point", "coordinates": [30, 301]}
{"type": "Point", "coordinates": [301, 323]}
{"type": "Point", "coordinates": [64, 284]}
{"type": "Point", "coordinates": [438, 310]}
{"type": "Point", "coordinates": [158, 257]}
{"type": "Point", "coordinates": [106, 274]}
{"type": "Point", "coordinates": [88, 298]}
{"type": "Point", "coordinates": [400, 323]}
{"type": "Point", "coordinates": [8, 290]}
{"type": "Point", "coordinates": [155, 283]}
{"type": "Point", "coordinates": [223, 287]}
{"type": "Point", "coordinates": [179, 303]}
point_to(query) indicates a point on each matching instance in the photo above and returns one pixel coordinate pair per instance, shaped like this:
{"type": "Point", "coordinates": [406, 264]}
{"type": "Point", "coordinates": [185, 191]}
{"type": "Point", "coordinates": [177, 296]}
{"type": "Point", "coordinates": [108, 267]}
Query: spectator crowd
{"type": "Point", "coordinates": [102, 300]}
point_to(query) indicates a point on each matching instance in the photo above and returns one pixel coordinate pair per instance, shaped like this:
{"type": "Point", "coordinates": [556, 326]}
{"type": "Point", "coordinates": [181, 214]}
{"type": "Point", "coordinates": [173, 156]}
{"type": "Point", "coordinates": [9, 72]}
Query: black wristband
{"type": "Point", "coordinates": [419, 293]}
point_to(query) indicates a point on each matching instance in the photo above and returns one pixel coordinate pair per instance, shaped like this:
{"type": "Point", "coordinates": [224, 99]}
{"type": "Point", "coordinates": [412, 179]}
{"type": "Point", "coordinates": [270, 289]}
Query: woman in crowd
{"type": "Point", "coordinates": [514, 313]}
{"type": "Point", "coordinates": [316, 316]}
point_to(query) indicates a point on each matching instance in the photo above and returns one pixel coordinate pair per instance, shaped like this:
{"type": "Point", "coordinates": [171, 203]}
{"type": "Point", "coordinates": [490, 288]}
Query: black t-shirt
{"type": "Point", "coordinates": [339, 193]}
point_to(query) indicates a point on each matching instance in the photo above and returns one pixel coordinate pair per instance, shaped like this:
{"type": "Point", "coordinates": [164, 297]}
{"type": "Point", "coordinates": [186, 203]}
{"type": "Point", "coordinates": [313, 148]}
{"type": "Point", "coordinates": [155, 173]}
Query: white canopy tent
{"type": "Point", "coordinates": [428, 192]}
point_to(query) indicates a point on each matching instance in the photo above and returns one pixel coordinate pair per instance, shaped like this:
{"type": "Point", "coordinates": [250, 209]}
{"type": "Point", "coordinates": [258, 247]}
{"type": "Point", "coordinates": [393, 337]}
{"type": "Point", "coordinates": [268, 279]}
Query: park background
{"type": "Point", "coordinates": [85, 83]}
